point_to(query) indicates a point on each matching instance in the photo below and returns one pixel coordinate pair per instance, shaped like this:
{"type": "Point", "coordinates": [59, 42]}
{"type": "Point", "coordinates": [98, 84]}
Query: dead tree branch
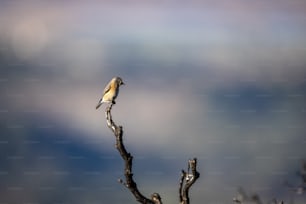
{"type": "Point", "coordinates": [128, 162]}
{"type": "Point", "coordinates": [187, 179]}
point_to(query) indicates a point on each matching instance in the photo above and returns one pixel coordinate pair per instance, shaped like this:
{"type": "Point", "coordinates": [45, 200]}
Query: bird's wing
{"type": "Point", "coordinates": [107, 88]}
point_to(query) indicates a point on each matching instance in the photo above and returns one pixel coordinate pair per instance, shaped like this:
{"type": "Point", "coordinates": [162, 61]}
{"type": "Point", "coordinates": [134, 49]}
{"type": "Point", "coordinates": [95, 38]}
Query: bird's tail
{"type": "Point", "coordinates": [99, 103]}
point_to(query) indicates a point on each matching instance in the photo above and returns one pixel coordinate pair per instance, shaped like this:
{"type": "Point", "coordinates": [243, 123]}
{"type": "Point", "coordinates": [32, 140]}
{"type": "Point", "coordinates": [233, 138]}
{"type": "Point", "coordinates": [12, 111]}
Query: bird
{"type": "Point", "coordinates": [110, 92]}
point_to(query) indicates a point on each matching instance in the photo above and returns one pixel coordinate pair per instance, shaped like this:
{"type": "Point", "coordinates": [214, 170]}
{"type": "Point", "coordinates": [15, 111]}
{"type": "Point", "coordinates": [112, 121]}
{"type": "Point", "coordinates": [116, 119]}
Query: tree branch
{"type": "Point", "coordinates": [187, 180]}
{"type": "Point", "coordinates": [128, 162]}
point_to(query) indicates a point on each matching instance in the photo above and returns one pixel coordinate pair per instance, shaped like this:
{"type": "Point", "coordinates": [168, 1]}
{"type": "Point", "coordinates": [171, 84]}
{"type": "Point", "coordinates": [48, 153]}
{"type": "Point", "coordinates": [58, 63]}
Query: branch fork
{"type": "Point", "coordinates": [187, 179]}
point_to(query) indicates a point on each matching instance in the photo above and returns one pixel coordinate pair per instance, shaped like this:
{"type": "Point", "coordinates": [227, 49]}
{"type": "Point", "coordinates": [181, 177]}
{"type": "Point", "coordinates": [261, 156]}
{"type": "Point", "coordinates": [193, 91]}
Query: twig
{"type": "Point", "coordinates": [128, 162]}
{"type": "Point", "coordinates": [187, 180]}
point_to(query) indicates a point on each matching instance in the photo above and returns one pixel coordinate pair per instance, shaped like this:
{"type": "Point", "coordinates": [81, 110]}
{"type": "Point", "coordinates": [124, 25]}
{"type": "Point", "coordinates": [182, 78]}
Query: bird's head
{"type": "Point", "coordinates": [119, 81]}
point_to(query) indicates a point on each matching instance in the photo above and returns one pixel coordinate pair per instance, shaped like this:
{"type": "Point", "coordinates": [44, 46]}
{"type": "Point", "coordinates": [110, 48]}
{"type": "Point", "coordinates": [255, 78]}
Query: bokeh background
{"type": "Point", "coordinates": [223, 81]}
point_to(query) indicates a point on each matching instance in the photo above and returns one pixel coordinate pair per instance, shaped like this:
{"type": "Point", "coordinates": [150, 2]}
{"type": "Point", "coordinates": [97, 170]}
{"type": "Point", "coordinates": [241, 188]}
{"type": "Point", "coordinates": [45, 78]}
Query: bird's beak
{"type": "Point", "coordinates": [122, 83]}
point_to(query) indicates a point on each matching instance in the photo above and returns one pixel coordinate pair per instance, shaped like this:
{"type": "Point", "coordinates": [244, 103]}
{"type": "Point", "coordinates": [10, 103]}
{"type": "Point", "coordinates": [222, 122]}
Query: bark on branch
{"type": "Point", "coordinates": [128, 162]}
{"type": "Point", "coordinates": [187, 179]}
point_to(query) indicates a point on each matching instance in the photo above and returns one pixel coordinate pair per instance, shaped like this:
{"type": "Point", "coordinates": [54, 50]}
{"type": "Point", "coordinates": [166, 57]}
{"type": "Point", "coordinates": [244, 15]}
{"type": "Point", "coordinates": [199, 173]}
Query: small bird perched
{"type": "Point", "coordinates": [110, 92]}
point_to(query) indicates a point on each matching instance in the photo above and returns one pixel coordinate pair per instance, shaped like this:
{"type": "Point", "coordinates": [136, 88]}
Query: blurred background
{"type": "Point", "coordinates": [223, 81]}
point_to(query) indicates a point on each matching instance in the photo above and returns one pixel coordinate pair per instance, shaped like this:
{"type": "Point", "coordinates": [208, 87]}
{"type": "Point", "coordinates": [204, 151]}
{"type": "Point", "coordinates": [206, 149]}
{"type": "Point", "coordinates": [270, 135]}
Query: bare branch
{"type": "Point", "coordinates": [187, 180]}
{"type": "Point", "coordinates": [128, 162]}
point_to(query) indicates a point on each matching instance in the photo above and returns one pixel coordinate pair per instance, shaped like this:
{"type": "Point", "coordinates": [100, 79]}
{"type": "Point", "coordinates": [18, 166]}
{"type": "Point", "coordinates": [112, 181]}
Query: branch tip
{"type": "Point", "coordinates": [155, 197]}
